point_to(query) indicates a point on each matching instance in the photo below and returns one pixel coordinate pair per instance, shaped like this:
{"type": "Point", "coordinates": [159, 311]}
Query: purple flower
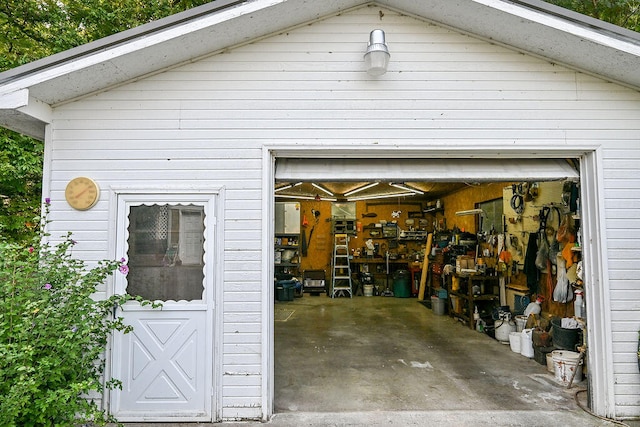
{"type": "Point", "coordinates": [124, 269]}
{"type": "Point", "coordinates": [123, 259]}
{"type": "Point", "coordinates": [74, 329]}
{"type": "Point", "coordinates": [31, 249]}
{"type": "Point", "coordinates": [74, 242]}
{"type": "Point", "coordinates": [47, 286]}
{"type": "Point", "coordinates": [47, 201]}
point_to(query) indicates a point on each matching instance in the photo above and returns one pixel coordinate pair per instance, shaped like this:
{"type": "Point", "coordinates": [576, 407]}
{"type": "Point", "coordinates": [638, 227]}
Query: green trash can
{"type": "Point", "coordinates": [285, 290]}
{"type": "Point", "coordinates": [401, 284]}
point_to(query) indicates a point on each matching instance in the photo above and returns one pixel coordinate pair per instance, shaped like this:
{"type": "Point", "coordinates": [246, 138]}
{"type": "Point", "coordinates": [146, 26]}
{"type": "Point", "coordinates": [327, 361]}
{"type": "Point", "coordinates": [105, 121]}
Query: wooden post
{"type": "Point", "coordinates": [425, 268]}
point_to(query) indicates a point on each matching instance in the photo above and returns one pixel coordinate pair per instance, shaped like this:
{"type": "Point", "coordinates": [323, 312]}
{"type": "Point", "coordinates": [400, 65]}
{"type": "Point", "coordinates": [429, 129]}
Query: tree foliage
{"type": "Point", "coordinates": [33, 29]}
{"type": "Point", "coordinates": [20, 184]}
{"type": "Point", "coordinates": [624, 13]}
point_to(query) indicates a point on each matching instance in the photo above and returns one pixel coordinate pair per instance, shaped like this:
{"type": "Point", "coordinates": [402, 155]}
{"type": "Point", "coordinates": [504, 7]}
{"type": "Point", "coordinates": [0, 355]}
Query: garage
{"type": "Point", "coordinates": [209, 120]}
{"type": "Point", "coordinates": [352, 239]}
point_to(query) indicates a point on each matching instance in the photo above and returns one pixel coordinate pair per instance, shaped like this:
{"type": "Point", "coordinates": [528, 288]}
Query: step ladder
{"type": "Point", "coordinates": [341, 279]}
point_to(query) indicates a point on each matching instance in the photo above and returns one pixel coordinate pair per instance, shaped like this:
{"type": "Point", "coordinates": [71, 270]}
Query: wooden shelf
{"type": "Point", "coordinates": [469, 300]}
{"type": "Point", "coordinates": [287, 268]}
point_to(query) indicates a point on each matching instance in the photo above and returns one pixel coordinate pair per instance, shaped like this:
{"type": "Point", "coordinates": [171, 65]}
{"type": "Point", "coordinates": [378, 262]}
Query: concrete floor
{"type": "Point", "coordinates": [380, 356]}
{"type": "Point", "coordinates": [384, 361]}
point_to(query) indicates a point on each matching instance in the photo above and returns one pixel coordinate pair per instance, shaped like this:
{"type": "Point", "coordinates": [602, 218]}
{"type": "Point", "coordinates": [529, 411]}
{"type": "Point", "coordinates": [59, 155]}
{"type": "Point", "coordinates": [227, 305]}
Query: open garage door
{"type": "Point", "coordinates": [348, 352]}
{"type": "Point", "coordinates": [436, 170]}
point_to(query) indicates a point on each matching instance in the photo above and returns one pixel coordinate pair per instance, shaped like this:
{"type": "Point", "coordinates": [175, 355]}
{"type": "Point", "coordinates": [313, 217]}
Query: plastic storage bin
{"type": "Point", "coordinates": [285, 290]}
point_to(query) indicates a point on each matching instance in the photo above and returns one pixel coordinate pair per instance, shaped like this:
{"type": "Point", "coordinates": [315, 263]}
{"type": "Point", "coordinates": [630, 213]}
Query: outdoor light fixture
{"type": "Point", "coordinates": [377, 56]}
{"type": "Point", "coordinates": [357, 190]}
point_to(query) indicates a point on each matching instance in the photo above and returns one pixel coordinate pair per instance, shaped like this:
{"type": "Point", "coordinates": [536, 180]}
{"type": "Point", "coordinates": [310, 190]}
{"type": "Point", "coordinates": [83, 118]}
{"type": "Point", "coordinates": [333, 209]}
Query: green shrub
{"type": "Point", "coordinates": [53, 334]}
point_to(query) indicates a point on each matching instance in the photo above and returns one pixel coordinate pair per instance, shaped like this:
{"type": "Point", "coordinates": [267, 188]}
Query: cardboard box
{"type": "Point", "coordinates": [465, 264]}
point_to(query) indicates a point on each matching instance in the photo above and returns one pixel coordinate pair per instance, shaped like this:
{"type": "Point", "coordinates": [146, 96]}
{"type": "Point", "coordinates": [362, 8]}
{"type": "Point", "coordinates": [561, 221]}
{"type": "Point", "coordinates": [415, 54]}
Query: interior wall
{"type": "Point", "coordinates": [466, 199]}
{"type": "Point", "coordinates": [318, 235]}
{"type": "Point", "coordinates": [522, 227]}
{"type": "Point", "coordinates": [318, 232]}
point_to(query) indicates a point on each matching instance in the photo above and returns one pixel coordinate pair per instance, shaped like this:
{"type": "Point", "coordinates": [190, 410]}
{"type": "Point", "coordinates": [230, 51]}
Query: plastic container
{"type": "Point", "coordinates": [285, 290]}
{"type": "Point", "coordinates": [540, 355]}
{"type": "Point", "coordinates": [526, 343]}
{"type": "Point", "coordinates": [577, 304]}
{"type": "Point", "coordinates": [401, 285]}
{"type": "Point", "coordinates": [565, 363]}
{"type": "Point", "coordinates": [550, 362]}
{"type": "Point", "coordinates": [514, 341]}
{"type": "Point", "coordinates": [438, 305]}
{"type": "Point", "coordinates": [368, 290]}
{"type": "Point", "coordinates": [456, 305]}
{"type": "Point", "coordinates": [565, 339]}
{"type": "Point", "coordinates": [521, 322]}
{"type": "Point", "coordinates": [533, 308]}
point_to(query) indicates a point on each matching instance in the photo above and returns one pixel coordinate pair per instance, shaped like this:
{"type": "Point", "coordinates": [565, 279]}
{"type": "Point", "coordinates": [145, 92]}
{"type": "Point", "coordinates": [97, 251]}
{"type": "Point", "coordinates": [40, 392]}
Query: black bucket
{"type": "Point", "coordinates": [566, 339]}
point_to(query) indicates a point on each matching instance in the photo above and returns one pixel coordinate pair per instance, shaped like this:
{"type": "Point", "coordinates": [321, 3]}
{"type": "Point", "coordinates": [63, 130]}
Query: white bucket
{"type": "Point", "coordinates": [521, 322]}
{"type": "Point", "coordinates": [565, 363]}
{"type": "Point", "coordinates": [526, 343]}
{"type": "Point", "coordinates": [368, 290]}
{"type": "Point", "coordinates": [550, 367]}
{"type": "Point", "coordinates": [514, 341]}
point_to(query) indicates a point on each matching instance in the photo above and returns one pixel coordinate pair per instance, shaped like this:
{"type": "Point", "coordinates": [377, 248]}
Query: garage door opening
{"type": "Point", "coordinates": [410, 334]}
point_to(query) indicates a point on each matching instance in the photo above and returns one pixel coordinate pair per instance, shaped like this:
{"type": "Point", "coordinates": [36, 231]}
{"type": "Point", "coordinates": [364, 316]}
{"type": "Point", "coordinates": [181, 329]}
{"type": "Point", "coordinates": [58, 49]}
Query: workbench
{"type": "Point", "coordinates": [377, 267]}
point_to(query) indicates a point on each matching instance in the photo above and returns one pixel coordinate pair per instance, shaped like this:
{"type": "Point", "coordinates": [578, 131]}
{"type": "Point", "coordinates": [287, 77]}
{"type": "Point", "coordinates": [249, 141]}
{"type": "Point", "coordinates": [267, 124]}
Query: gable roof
{"type": "Point", "coordinates": [27, 93]}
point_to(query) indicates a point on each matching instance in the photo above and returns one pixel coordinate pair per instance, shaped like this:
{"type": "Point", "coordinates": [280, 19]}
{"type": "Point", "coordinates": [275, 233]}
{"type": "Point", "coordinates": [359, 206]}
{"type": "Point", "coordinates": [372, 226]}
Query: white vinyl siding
{"type": "Point", "coordinates": [622, 199]}
{"type": "Point", "coordinates": [205, 124]}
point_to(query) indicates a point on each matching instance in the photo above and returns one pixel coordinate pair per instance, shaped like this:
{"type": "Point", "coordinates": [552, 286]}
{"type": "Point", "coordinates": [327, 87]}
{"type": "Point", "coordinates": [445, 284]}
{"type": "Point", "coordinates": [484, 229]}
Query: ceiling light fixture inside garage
{"type": "Point", "coordinates": [288, 196]}
{"type": "Point", "coordinates": [321, 188]}
{"type": "Point", "coordinates": [406, 188]}
{"type": "Point", "coordinates": [381, 196]}
{"type": "Point", "coordinates": [288, 186]}
{"type": "Point", "coordinates": [359, 189]}
{"type": "Point", "coordinates": [470, 212]}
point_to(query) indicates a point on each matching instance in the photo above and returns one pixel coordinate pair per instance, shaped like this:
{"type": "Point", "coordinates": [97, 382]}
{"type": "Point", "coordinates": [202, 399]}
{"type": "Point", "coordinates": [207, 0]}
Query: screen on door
{"type": "Point", "coordinates": [166, 252]}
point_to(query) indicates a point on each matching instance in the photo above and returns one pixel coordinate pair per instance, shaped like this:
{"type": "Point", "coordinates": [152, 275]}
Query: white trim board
{"type": "Point", "coordinates": [602, 398]}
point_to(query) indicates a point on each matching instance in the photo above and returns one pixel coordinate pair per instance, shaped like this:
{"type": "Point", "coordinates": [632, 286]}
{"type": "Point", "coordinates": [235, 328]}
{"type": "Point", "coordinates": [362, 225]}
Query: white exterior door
{"type": "Point", "coordinates": [166, 363]}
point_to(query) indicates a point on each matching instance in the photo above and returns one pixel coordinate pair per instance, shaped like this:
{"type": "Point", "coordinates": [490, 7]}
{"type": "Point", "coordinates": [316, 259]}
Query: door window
{"type": "Point", "coordinates": [166, 252]}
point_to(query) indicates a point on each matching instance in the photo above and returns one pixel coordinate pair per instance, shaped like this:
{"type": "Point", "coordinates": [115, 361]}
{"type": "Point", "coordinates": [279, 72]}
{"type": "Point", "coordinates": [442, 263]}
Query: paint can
{"type": "Point", "coordinates": [368, 290]}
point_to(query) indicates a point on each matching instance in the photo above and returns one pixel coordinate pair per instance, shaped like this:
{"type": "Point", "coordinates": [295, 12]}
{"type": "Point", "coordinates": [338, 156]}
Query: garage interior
{"type": "Point", "coordinates": [462, 290]}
